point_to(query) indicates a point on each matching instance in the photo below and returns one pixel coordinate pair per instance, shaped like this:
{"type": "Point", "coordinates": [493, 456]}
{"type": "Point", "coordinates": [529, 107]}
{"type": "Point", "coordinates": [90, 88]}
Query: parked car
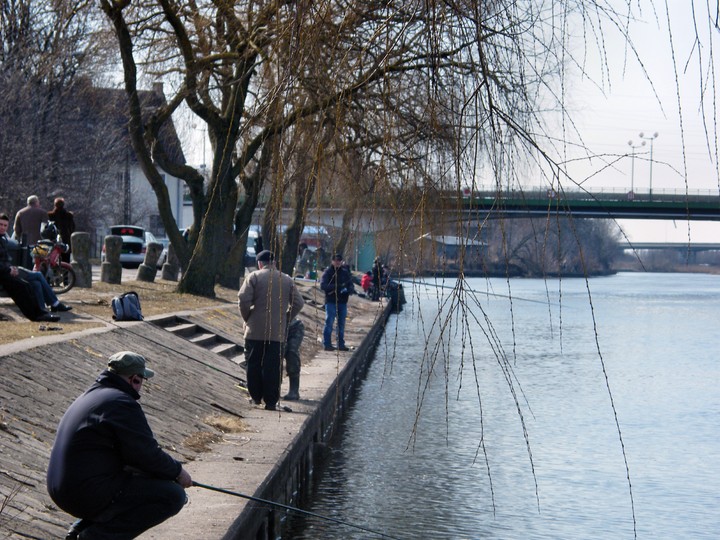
{"type": "Point", "coordinates": [134, 244]}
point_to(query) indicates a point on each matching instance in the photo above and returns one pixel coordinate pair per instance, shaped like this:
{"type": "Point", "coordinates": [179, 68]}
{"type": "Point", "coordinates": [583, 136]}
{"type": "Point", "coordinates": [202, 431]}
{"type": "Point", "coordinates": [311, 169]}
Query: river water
{"type": "Point", "coordinates": [505, 426]}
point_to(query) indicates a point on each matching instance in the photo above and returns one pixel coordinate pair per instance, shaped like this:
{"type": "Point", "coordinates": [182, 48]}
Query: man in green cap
{"type": "Point", "coordinates": [106, 468]}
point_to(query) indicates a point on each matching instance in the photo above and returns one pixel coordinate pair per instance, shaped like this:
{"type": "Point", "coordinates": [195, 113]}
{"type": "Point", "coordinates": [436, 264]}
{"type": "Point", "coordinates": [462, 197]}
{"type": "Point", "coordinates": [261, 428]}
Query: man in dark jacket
{"type": "Point", "coordinates": [106, 467]}
{"type": "Point", "coordinates": [337, 284]}
{"type": "Point", "coordinates": [29, 290]}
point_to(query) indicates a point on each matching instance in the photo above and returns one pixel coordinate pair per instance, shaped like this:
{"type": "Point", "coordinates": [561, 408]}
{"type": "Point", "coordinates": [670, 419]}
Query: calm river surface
{"type": "Point", "coordinates": [454, 463]}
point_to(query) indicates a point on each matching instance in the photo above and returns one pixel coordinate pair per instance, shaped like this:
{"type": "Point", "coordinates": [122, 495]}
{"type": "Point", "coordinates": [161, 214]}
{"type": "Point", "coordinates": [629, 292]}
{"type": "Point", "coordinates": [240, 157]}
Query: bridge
{"type": "Point", "coordinates": [693, 247]}
{"type": "Point", "coordinates": [603, 203]}
{"type": "Point", "coordinates": [685, 250]}
{"type": "Point", "coordinates": [616, 204]}
{"type": "Point", "coordinates": [666, 204]}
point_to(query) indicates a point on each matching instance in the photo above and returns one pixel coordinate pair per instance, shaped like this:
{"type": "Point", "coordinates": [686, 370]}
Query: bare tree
{"type": "Point", "coordinates": [48, 50]}
{"type": "Point", "coordinates": [391, 77]}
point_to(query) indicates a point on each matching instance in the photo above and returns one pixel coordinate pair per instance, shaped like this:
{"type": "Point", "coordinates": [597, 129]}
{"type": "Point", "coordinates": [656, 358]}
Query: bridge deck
{"type": "Point", "coordinates": [704, 207]}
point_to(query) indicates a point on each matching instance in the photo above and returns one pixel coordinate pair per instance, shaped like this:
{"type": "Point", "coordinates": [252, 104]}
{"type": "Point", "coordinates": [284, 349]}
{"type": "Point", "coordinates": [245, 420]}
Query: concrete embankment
{"type": "Point", "coordinates": [197, 408]}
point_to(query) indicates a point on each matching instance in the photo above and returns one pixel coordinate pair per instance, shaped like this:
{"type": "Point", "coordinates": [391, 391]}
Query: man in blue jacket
{"type": "Point", "coordinates": [106, 468]}
{"type": "Point", "coordinates": [337, 284]}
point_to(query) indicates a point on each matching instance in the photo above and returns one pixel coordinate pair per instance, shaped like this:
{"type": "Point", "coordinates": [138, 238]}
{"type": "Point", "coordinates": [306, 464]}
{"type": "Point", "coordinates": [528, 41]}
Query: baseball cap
{"type": "Point", "coordinates": [265, 256]}
{"type": "Point", "coordinates": [129, 363]}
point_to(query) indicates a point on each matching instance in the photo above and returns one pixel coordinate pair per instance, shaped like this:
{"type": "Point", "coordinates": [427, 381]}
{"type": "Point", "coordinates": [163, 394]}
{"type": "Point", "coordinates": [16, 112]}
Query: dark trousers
{"type": "Point", "coordinates": [142, 504]}
{"type": "Point", "coordinates": [292, 363]}
{"type": "Point", "coordinates": [264, 361]}
{"type": "Point", "coordinates": [333, 310]}
{"type": "Point", "coordinates": [24, 297]}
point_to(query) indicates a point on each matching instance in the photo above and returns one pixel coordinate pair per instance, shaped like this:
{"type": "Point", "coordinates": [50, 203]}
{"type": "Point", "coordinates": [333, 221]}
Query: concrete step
{"type": "Point", "coordinates": [226, 348]}
{"type": "Point", "coordinates": [204, 339]}
{"type": "Point", "coordinates": [184, 329]}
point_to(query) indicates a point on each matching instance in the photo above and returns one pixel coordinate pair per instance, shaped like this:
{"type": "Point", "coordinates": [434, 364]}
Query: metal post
{"type": "Point", "coordinates": [632, 166]}
{"type": "Point", "coordinates": [651, 139]}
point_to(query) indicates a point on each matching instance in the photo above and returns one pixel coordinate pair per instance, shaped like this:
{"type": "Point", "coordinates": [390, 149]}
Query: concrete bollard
{"type": "Point", "coordinates": [80, 259]}
{"type": "Point", "coordinates": [148, 269]}
{"type": "Point", "coordinates": [110, 269]}
{"type": "Point", "coordinates": [171, 268]}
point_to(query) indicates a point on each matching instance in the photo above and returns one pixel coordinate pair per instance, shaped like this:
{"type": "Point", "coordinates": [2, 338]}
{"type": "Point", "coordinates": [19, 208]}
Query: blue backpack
{"type": "Point", "coordinates": [126, 307]}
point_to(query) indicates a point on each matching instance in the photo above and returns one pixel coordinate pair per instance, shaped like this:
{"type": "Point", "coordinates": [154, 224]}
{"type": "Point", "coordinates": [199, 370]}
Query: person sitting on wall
{"type": "Point", "coordinates": [29, 290]}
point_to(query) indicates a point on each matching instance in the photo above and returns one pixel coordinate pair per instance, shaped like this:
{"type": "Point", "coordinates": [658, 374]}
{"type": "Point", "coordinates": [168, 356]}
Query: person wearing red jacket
{"type": "Point", "coordinates": [366, 281]}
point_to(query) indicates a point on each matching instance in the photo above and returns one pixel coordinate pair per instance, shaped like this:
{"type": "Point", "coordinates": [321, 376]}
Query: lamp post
{"type": "Point", "coordinates": [651, 139]}
{"type": "Point", "coordinates": [632, 162]}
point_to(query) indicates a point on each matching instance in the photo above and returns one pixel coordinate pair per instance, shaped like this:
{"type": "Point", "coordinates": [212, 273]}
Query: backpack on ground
{"type": "Point", "coordinates": [126, 307]}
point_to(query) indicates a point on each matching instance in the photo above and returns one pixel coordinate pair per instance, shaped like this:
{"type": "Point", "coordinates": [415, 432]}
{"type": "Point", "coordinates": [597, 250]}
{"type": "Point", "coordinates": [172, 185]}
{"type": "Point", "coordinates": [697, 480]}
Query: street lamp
{"type": "Point", "coordinates": [632, 161]}
{"type": "Point", "coordinates": [651, 139]}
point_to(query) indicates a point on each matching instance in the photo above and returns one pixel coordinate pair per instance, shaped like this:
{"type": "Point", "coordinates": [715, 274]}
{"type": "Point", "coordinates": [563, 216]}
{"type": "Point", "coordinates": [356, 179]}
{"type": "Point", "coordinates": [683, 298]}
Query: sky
{"type": "Point", "coordinates": [611, 117]}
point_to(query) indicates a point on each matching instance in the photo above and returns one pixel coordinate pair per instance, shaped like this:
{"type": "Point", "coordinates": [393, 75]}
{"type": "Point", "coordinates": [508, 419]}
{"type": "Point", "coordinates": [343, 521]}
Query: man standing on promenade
{"type": "Point", "coordinates": [337, 283]}
{"type": "Point", "coordinates": [268, 300]}
{"type": "Point", "coordinates": [106, 468]}
{"type": "Point", "coordinates": [29, 220]}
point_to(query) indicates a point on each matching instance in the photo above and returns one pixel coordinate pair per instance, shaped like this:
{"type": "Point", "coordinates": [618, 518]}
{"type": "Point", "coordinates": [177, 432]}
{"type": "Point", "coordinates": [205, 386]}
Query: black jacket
{"type": "Point", "coordinates": [102, 434]}
{"type": "Point", "coordinates": [337, 283]}
{"type": "Point", "coordinates": [5, 259]}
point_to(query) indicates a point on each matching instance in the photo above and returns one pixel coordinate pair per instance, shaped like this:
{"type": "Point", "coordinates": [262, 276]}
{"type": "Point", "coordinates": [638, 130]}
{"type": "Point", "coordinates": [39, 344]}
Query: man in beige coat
{"type": "Point", "coordinates": [268, 300]}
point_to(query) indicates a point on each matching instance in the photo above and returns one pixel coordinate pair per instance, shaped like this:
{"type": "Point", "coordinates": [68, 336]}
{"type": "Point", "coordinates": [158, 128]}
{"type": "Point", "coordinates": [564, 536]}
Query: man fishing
{"type": "Point", "coordinates": [106, 468]}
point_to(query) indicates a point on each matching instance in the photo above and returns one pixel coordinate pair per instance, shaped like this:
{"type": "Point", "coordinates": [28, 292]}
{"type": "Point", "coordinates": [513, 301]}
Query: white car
{"type": "Point", "coordinates": [134, 244]}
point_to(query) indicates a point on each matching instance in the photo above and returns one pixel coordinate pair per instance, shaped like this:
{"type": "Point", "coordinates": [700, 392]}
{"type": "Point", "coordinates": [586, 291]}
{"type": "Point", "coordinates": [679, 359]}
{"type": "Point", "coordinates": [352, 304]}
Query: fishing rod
{"type": "Point", "coordinates": [292, 509]}
{"type": "Point", "coordinates": [519, 298]}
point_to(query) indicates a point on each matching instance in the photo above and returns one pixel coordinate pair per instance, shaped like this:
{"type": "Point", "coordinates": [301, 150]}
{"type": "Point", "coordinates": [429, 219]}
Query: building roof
{"type": "Point", "coordinates": [98, 109]}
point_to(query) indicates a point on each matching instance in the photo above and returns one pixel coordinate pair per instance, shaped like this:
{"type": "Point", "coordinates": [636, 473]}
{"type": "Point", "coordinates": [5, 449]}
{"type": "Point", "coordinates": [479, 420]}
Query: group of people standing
{"type": "Point", "coordinates": [30, 220]}
{"type": "Point", "coordinates": [269, 303]}
{"type": "Point", "coordinates": [29, 289]}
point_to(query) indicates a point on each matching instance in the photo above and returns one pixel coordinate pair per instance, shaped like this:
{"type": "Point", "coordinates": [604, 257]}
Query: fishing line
{"type": "Point", "coordinates": [519, 298]}
{"type": "Point", "coordinates": [293, 509]}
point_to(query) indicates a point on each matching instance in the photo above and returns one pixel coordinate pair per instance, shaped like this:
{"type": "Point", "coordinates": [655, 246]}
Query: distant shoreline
{"type": "Point", "coordinates": [696, 269]}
